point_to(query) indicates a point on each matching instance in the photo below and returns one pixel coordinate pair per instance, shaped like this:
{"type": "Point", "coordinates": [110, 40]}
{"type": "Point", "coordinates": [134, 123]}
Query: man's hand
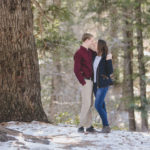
{"type": "Point", "coordinates": [84, 84]}
{"type": "Point", "coordinates": [109, 56]}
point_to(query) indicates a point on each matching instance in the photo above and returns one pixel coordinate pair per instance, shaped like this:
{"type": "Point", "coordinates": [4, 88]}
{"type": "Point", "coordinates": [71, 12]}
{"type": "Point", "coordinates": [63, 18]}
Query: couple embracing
{"type": "Point", "coordinates": [93, 67]}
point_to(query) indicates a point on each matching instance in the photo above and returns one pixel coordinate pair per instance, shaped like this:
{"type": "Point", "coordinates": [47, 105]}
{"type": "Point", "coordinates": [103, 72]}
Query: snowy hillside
{"type": "Point", "coordinates": [42, 136]}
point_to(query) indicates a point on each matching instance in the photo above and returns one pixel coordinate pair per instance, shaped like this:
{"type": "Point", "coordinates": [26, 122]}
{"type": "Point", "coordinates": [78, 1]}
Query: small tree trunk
{"type": "Point", "coordinates": [128, 69]}
{"type": "Point", "coordinates": [114, 47]}
{"type": "Point", "coordinates": [20, 97]}
{"type": "Point", "coordinates": [56, 86]}
{"type": "Point", "coordinates": [144, 115]}
{"type": "Point", "coordinates": [56, 79]}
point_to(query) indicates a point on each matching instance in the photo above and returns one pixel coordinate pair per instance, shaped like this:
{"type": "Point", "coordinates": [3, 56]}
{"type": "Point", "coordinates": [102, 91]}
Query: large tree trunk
{"type": "Point", "coordinates": [20, 97]}
{"type": "Point", "coordinates": [128, 94]}
{"type": "Point", "coordinates": [144, 115]}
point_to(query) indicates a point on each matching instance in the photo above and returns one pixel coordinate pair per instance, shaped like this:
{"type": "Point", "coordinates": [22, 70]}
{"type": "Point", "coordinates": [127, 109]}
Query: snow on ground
{"type": "Point", "coordinates": [64, 137]}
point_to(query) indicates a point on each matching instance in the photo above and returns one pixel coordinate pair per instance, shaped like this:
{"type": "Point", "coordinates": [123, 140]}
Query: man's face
{"type": "Point", "coordinates": [91, 42]}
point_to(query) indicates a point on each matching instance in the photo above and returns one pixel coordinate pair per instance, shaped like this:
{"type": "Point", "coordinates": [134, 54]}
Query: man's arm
{"type": "Point", "coordinates": [77, 68]}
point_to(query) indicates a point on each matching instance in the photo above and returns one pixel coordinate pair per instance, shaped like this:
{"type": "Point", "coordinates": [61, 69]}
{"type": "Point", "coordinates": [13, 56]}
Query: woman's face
{"type": "Point", "coordinates": [99, 48]}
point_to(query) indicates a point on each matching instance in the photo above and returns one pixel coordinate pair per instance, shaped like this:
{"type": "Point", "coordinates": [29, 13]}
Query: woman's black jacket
{"type": "Point", "coordinates": [104, 70]}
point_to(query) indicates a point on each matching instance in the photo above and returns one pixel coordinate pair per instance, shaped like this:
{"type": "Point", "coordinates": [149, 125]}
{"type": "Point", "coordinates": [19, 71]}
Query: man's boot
{"type": "Point", "coordinates": [81, 130]}
{"type": "Point", "coordinates": [91, 129]}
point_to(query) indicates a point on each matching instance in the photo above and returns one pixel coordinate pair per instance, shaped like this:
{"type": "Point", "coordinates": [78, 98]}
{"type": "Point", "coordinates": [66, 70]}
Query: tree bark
{"type": "Point", "coordinates": [20, 97]}
{"type": "Point", "coordinates": [144, 114]}
{"type": "Point", "coordinates": [128, 93]}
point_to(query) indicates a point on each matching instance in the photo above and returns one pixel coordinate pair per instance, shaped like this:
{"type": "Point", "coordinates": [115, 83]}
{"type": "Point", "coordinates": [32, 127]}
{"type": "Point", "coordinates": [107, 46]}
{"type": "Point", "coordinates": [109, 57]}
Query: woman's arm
{"type": "Point", "coordinates": [109, 66]}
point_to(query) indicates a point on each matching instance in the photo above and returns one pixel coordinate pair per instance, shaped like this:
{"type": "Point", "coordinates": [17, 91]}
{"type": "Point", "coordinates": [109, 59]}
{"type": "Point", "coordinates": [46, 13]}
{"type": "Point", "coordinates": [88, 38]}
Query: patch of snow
{"type": "Point", "coordinates": [63, 137]}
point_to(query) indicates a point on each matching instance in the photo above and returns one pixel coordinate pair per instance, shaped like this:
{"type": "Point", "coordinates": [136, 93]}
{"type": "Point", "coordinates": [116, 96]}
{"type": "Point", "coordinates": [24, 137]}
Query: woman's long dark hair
{"type": "Point", "coordinates": [102, 48]}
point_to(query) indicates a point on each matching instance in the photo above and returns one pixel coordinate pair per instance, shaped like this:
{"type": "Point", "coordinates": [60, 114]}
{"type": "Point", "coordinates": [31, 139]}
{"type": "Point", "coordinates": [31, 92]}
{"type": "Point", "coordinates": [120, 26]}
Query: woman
{"type": "Point", "coordinates": [102, 67]}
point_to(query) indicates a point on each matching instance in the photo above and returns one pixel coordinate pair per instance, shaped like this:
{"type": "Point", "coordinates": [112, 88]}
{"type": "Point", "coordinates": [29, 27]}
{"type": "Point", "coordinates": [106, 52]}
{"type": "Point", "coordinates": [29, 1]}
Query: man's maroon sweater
{"type": "Point", "coordinates": [83, 64]}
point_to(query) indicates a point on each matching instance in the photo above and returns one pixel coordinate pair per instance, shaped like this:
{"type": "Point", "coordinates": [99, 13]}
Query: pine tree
{"type": "Point", "coordinates": [140, 49]}
{"type": "Point", "coordinates": [20, 88]}
{"type": "Point", "coordinates": [128, 92]}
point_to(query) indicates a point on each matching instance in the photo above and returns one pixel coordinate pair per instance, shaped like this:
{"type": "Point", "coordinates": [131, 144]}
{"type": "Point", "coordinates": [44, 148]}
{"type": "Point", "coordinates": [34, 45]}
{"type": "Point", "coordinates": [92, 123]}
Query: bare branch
{"type": "Point", "coordinates": [41, 10]}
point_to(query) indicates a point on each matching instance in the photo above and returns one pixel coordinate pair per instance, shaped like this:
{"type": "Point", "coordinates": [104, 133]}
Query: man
{"type": "Point", "coordinates": [84, 72]}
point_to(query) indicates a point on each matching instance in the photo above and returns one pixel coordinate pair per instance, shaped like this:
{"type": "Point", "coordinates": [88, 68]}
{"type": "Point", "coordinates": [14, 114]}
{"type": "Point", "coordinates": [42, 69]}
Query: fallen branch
{"type": "Point", "coordinates": [4, 132]}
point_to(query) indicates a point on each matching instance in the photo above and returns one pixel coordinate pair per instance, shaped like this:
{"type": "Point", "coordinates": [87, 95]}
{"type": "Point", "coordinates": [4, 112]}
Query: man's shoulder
{"type": "Point", "coordinates": [92, 52]}
{"type": "Point", "coordinates": [78, 52]}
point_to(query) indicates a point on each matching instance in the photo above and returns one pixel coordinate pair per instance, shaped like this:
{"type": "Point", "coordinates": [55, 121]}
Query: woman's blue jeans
{"type": "Point", "coordinates": [100, 106]}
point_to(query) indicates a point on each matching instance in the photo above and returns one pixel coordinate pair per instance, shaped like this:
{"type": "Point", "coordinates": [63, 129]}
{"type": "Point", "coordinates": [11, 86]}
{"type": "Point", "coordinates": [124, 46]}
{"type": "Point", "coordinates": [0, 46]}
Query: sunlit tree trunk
{"type": "Point", "coordinates": [144, 115]}
{"type": "Point", "coordinates": [128, 93]}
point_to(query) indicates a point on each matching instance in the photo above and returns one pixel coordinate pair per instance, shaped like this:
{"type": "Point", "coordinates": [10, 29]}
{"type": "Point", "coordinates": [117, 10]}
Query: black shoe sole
{"type": "Point", "coordinates": [104, 132]}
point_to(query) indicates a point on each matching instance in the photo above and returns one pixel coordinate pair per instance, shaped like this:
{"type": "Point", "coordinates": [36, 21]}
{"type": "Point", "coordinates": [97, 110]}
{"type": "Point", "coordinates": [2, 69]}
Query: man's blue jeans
{"type": "Point", "coordinates": [100, 106]}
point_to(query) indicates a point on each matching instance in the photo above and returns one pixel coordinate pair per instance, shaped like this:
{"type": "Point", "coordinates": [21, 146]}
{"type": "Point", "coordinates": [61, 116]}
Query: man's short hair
{"type": "Point", "coordinates": [86, 36]}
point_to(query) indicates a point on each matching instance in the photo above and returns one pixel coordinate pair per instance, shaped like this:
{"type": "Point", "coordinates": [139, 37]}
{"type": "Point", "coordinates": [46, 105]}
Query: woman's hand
{"type": "Point", "coordinates": [109, 56]}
